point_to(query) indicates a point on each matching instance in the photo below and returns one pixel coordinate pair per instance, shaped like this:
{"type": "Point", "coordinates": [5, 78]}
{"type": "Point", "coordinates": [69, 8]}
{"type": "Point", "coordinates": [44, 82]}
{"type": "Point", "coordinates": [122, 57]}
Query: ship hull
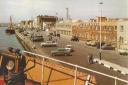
{"type": "Point", "coordinates": [10, 31]}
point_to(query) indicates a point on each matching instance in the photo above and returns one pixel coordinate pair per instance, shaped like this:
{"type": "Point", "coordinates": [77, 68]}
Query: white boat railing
{"type": "Point", "coordinates": [76, 69]}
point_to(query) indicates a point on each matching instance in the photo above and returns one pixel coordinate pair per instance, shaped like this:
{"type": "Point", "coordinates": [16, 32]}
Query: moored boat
{"type": "Point", "coordinates": [10, 29]}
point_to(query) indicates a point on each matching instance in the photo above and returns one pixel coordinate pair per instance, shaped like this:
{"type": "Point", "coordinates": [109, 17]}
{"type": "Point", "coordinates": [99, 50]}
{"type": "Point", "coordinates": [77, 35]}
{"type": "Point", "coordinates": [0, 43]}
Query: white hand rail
{"type": "Point", "coordinates": [77, 66]}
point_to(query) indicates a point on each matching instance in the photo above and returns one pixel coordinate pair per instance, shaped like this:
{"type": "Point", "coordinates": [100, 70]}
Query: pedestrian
{"type": "Point", "coordinates": [90, 58]}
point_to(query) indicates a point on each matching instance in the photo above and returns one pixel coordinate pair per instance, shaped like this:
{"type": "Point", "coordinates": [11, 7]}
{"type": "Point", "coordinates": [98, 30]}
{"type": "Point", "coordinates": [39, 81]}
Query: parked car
{"type": "Point", "coordinates": [91, 43]}
{"type": "Point", "coordinates": [107, 47]}
{"type": "Point", "coordinates": [50, 34]}
{"type": "Point", "coordinates": [20, 30]}
{"type": "Point", "coordinates": [25, 33]}
{"type": "Point", "coordinates": [88, 42]}
{"type": "Point", "coordinates": [48, 44]}
{"type": "Point", "coordinates": [58, 35]}
{"type": "Point", "coordinates": [94, 43]}
{"type": "Point", "coordinates": [123, 51]}
{"type": "Point", "coordinates": [37, 38]}
{"type": "Point", "coordinates": [98, 44]}
{"type": "Point", "coordinates": [60, 51]}
{"type": "Point", "coordinates": [74, 38]}
{"type": "Point", "coordinates": [69, 47]}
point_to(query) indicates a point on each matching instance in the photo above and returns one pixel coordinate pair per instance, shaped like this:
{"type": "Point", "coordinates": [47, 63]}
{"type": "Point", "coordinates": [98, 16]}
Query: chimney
{"type": "Point", "coordinates": [67, 13]}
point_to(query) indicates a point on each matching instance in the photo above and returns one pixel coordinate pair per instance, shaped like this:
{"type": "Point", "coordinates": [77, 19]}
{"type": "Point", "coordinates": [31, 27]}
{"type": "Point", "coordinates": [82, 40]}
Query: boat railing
{"type": "Point", "coordinates": [115, 78]}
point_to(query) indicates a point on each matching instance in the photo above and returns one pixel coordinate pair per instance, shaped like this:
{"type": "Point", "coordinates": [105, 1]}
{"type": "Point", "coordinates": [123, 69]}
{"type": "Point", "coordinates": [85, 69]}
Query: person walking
{"type": "Point", "coordinates": [90, 58]}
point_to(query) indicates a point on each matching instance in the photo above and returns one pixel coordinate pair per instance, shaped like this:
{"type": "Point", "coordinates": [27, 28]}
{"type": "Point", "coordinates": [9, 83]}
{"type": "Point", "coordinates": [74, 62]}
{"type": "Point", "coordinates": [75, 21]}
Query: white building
{"type": "Point", "coordinates": [35, 23]}
{"type": "Point", "coordinates": [122, 34]}
{"type": "Point", "coordinates": [64, 27]}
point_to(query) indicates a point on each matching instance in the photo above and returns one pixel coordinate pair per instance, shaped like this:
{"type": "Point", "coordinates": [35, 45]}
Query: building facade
{"type": "Point", "coordinates": [27, 24]}
{"type": "Point", "coordinates": [90, 30]}
{"type": "Point", "coordinates": [64, 27]}
{"type": "Point", "coordinates": [22, 24]}
{"type": "Point", "coordinates": [122, 34]}
{"type": "Point", "coordinates": [46, 22]}
{"type": "Point", "coordinates": [40, 22]}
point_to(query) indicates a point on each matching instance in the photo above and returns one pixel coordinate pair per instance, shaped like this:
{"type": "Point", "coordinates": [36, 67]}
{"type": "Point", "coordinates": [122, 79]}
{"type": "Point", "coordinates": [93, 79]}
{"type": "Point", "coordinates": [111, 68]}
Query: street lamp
{"type": "Point", "coordinates": [100, 25]}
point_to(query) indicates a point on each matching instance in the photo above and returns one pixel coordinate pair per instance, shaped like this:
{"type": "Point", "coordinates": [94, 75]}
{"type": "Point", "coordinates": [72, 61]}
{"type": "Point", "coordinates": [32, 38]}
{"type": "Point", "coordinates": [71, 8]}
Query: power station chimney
{"type": "Point", "coordinates": [67, 13]}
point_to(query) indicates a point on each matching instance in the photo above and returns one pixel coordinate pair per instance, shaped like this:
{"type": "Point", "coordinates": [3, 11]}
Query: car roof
{"type": "Point", "coordinates": [61, 48]}
{"type": "Point", "coordinates": [68, 45]}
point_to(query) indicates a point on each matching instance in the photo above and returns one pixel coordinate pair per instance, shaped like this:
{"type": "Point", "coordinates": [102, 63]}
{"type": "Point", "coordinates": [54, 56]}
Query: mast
{"type": "Point", "coordinates": [10, 23]}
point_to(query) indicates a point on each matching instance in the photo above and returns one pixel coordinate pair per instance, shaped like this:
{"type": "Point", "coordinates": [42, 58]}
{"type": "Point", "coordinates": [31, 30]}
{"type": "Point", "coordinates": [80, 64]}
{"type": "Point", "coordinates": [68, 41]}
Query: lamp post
{"type": "Point", "coordinates": [100, 26]}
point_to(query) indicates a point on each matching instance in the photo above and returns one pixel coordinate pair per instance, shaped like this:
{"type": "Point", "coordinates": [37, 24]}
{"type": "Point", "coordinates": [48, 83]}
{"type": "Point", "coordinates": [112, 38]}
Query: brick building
{"type": "Point", "coordinates": [90, 30]}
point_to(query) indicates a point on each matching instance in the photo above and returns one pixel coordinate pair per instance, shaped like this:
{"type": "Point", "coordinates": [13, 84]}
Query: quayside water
{"type": "Point", "coordinates": [7, 40]}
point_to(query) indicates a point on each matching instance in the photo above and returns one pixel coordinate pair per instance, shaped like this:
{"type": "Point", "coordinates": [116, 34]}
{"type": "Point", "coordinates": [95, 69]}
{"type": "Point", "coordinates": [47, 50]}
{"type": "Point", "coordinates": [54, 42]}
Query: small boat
{"type": "Point", "coordinates": [10, 29]}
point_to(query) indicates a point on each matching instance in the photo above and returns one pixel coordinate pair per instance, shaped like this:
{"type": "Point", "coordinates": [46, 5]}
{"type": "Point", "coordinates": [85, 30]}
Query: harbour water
{"type": "Point", "coordinates": [8, 40]}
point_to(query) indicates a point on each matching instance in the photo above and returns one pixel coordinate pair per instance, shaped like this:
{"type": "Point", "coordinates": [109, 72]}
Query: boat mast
{"type": "Point", "coordinates": [10, 23]}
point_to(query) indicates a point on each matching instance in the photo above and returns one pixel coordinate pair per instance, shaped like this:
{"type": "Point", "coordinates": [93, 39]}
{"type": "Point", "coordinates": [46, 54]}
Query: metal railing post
{"type": "Point", "coordinates": [115, 80]}
{"type": "Point", "coordinates": [42, 77]}
{"type": "Point", "coordinates": [75, 78]}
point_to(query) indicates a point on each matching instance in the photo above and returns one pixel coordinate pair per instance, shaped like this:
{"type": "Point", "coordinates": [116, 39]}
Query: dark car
{"type": "Point", "coordinates": [107, 47]}
{"type": "Point", "coordinates": [58, 35]}
{"type": "Point", "coordinates": [37, 38]}
{"type": "Point", "coordinates": [20, 30]}
{"type": "Point", "coordinates": [74, 38]}
{"type": "Point", "coordinates": [98, 44]}
{"type": "Point", "coordinates": [60, 51]}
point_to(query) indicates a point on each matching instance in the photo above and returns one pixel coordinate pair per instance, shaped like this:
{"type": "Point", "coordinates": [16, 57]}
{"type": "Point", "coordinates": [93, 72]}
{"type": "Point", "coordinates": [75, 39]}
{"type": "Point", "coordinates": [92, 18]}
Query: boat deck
{"type": "Point", "coordinates": [53, 73]}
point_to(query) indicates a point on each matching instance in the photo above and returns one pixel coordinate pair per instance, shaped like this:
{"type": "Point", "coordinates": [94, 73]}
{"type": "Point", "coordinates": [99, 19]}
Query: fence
{"type": "Point", "coordinates": [75, 70]}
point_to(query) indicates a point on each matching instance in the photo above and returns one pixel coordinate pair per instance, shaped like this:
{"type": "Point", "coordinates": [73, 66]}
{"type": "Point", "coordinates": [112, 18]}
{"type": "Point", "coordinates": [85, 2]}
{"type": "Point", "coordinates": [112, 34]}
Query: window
{"type": "Point", "coordinates": [121, 28]}
{"type": "Point", "coordinates": [115, 28]}
{"type": "Point", "coordinates": [121, 40]}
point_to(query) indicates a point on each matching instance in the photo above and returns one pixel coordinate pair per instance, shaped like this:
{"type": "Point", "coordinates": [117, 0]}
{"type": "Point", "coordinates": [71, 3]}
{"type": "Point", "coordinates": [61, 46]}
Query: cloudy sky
{"type": "Point", "coordinates": [78, 9]}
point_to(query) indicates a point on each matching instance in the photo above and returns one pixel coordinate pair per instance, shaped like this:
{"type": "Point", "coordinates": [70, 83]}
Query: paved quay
{"type": "Point", "coordinates": [56, 66]}
{"type": "Point", "coordinates": [111, 56]}
{"type": "Point", "coordinates": [79, 57]}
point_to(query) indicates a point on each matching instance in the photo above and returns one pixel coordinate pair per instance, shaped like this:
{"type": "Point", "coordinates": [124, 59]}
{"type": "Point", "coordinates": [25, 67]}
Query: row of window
{"type": "Point", "coordinates": [95, 37]}
{"type": "Point", "coordinates": [64, 32]}
{"type": "Point", "coordinates": [98, 28]}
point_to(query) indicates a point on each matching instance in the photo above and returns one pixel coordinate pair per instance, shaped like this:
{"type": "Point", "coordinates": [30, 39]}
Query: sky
{"type": "Point", "coordinates": [78, 9]}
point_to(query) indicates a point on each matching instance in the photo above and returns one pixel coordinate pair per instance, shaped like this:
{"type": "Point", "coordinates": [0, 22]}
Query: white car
{"type": "Point", "coordinates": [123, 51]}
{"type": "Point", "coordinates": [69, 47]}
{"type": "Point", "coordinates": [48, 44]}
{"type": "Point", "coordinates": [88, 42]}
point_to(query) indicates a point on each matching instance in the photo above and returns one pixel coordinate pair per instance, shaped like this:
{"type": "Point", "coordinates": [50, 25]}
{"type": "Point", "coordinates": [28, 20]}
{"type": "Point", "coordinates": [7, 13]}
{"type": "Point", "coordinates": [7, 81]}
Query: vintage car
{"type": "Point", "coordinates": [60, 51]}
{"type": "Point", "coordinates": [48, 44]}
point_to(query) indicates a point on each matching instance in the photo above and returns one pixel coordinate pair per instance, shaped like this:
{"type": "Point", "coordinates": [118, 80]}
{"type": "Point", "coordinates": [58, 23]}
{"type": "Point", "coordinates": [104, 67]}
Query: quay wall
{"type": "Point", "coordinates": [24, 45]}
{"type": "Point", "coordinates": [28, 44]}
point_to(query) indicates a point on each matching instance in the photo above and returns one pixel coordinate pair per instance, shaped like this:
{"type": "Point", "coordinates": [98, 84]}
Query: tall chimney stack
{"type": "Point", "coordinates": [67, 13]}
